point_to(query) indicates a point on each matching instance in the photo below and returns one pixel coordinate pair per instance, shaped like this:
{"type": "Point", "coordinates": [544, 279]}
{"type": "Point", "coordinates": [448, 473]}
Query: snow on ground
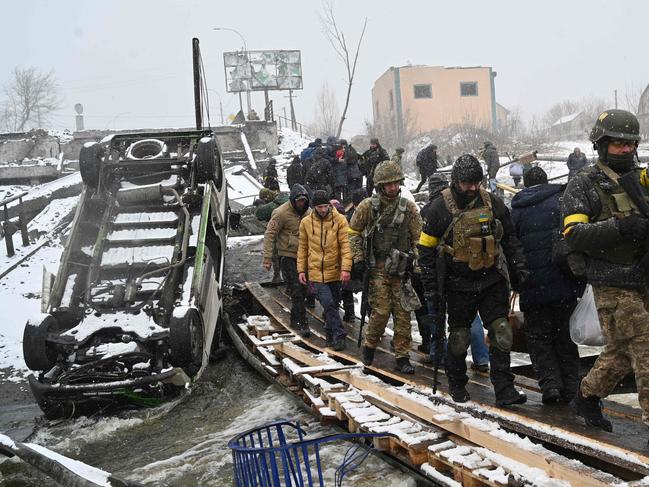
{"type": "Point", "coordinates": [242, 187]}
{"type": "Point", "coordinates": [292, 142]}
{"type": "Point", "coordinates": [20, 299]}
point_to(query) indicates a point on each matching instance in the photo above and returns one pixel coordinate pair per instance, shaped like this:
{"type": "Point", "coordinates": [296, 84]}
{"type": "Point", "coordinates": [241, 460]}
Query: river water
{"type": "Point", "coordinates": [185, 444]}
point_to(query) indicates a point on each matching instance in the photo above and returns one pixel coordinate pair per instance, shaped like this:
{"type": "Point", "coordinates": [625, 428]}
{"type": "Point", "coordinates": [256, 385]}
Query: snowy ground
{"type": "Point", "coordinates": [20, 298]}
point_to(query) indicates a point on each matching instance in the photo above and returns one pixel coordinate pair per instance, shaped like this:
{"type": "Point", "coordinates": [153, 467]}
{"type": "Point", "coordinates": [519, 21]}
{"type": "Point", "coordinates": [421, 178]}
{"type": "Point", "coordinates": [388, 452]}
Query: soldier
{"type": "Point", "coordinates": [371, 158]}
{"type": "Point", "coordinates": [383, 235]}
{"type": "Point", "coordinates": [605, 224]}
{"type": "Point", "coordinates": [270, 175]}
{"type": "Point", "coordinates": [491, 158]}
{"type": "Point", "coordinates": [427, 163]}
{"type": "Point", "coordinates": [473, 230]}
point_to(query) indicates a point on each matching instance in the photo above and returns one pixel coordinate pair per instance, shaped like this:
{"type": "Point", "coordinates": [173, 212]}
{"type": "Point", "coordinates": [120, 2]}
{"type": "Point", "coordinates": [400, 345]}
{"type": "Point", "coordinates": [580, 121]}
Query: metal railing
{"type": "Point", "coordinates": [292, 124]}
{"type": "Point", "coordinates": [277, 455]}
{"type": "Point", "coordinates": [9, 227]}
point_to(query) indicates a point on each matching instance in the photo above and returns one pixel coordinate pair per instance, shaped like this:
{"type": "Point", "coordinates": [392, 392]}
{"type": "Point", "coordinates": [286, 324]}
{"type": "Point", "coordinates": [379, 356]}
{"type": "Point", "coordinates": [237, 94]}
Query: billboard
{"type": "Point", "coordinates": [262, 70]}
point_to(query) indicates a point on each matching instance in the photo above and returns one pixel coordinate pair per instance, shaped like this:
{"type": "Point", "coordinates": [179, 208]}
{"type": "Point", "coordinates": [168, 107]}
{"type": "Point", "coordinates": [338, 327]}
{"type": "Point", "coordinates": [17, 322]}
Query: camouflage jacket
{"type": "Point", "coordinates": [363, 219]}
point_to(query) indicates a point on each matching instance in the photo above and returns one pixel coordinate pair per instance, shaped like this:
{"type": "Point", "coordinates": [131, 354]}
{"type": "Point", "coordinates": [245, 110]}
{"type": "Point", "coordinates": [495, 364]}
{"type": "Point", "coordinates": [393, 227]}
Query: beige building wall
{"type": "Point", "coordinates": [446, 105]}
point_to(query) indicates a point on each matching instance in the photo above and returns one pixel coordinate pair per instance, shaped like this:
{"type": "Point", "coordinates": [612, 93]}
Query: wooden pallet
{"type": "Point", "coordinates": [339, 392]}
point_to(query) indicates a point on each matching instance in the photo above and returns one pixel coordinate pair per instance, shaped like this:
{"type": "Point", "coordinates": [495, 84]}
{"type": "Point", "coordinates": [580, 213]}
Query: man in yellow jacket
{"type": "Point", "coordinates": [324, 258]}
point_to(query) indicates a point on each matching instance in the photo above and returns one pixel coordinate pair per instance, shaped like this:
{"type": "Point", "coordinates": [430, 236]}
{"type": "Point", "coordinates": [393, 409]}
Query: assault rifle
{"type": "Point", "coordinates": [631, 185]}
{"type": "Point", "coordinates": [440, 314]}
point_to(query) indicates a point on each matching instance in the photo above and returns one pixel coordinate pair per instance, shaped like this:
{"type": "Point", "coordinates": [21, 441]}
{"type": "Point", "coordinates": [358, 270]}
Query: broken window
{"type": "Point", "coordinates": [469, 88]}
{"type": "Point", "coordinates": [423, 91]}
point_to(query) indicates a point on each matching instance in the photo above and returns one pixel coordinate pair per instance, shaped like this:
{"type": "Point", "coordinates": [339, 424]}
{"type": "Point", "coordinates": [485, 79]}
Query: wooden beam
{"type": "Point", "coordinates": [553, 464]}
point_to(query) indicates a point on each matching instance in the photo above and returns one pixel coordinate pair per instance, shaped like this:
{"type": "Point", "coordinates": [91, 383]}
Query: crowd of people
{"type": "Point", "coordinates": [456, 262]}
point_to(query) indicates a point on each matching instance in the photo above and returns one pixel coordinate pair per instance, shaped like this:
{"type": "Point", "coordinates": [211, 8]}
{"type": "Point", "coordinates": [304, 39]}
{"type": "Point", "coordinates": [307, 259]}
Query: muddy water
{"type": "Point", "coordinates": [186, 444]}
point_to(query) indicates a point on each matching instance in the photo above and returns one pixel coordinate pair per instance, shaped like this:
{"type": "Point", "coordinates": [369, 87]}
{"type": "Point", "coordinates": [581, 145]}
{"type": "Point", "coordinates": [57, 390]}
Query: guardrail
{"type": "Point", "coordinates": [9, 227]}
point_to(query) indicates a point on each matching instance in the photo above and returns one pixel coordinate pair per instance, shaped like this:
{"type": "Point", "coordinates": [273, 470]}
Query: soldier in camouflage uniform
{"type": "Point", "coordinates": [608, 233]}
{"type": "Point", "coordinates": [383, 234]}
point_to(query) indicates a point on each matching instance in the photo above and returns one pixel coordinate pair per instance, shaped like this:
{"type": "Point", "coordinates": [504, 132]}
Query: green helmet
{"type": "Point", "coordinates": [617, 124]}
{"type": "Point", "coordinates": [387, 172]}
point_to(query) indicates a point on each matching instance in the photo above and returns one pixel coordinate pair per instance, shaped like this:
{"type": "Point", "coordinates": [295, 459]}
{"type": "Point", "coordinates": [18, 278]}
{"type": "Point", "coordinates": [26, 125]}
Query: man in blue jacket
{"type": "Point", "coordinates": [550, 294]}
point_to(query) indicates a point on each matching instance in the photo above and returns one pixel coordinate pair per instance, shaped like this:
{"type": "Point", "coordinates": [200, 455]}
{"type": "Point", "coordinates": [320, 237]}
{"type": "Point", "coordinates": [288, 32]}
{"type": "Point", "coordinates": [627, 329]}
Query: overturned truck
{"type": "Point", "coordinates": [135, 308]}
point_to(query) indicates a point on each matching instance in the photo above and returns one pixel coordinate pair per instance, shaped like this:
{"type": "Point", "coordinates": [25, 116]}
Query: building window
{"type": "Point", "coordinates": [423, 91]}
{"type": "Point", "coordinates": [391, 100]}
{"type": "Point", "coordinates": [469, 88]}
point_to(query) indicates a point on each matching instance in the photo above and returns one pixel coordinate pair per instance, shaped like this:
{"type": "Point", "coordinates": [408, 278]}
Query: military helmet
{"type": "Point", "coordinates": [387, 172]}
{"type": "Point", "coordinates": [617, 124]}
{"type": "Point", "coordinates": [467, 169]}
{"type": "Point", "coordinates": [399, 150]}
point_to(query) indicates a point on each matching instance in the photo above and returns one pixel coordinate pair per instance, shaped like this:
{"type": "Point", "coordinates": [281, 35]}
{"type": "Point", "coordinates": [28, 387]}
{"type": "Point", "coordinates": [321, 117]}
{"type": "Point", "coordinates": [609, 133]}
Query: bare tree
{"type": "Point", "coordinates": [385, 128]}
{"type": "Point", "coordinates": [631, 97]}
{"type": "Point", "coordinates": [30, 98]}
{"type": "Point", "coordinates": [559, 110]}
{"type": "Point", "coordinates": [327, 112]}
{"type": "Point", "coordinates": [348, 57]}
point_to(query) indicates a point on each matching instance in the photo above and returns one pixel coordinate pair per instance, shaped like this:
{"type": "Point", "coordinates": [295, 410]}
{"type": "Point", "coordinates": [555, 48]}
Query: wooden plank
{"type": "Point", "coordinates": [475, 377]}
{"type": "Point", "coordinates": [553, 464]}
{"type": "Point", "coordinates": [590, 442]}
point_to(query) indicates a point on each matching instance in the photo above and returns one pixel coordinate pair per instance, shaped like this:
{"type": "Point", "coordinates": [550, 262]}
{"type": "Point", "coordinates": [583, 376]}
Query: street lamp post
{"type": "Point", "coordinates": [220, 103]}
{"type": "Point", "coordinates": [245, 47]}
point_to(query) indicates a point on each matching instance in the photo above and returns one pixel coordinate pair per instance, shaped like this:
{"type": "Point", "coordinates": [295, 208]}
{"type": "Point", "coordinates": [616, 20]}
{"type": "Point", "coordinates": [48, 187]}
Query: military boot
{"type": "Point", "coordinates": [509, 395]}
{"type": "Point", "coordinates": [329, 339]}
{"type": "Point", "coordinates": [551, 395]}
{"type": "Point", "coordinates": [404, 366]}
{"type": "Point", "coordinates": [368, 355]}
{"type": "Point", "coordinates": [590, 408]}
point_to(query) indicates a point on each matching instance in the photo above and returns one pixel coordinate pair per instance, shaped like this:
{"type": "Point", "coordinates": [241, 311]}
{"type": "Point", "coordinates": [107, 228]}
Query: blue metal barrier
{"type": "Point", "coordinates": [277, 455]}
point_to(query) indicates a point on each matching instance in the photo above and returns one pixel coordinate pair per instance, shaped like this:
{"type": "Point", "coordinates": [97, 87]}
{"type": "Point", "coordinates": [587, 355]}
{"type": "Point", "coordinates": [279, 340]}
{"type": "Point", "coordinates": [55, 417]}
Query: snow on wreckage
{"type": "Point", "coordinates": [136, 305]}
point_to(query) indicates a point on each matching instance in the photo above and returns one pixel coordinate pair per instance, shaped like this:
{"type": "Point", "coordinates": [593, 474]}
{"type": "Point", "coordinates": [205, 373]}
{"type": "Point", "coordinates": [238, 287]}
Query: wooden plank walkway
{"type": "Point", "coordinates": [555, 425]}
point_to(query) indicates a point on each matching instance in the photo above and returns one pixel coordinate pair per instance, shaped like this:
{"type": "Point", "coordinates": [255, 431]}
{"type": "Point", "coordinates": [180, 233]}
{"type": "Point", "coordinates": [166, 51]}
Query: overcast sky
{"type": "Point", "coordinates": [129, 62]}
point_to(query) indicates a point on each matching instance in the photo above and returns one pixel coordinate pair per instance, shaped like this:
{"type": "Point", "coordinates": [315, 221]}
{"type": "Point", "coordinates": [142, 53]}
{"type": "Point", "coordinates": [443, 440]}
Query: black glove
{"type": "Point", "coordinates": [523, 276]}
{"type": "Point", "coordinates": [358, 269]}
{"type": "Point", "coordinates": [634, 227]}
{"type": "Point", "coordinates": [518, 278]}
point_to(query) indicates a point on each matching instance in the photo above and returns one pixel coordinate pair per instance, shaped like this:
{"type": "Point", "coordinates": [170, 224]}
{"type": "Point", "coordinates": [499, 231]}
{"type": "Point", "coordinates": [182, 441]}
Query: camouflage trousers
{"type": "Point", "coordinates": [624, 316]}
{"type": "Point", "coordinates": [384, 298]}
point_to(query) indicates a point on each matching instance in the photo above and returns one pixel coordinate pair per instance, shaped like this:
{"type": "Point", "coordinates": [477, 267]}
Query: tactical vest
{"type": "Point", "coordinates": [475, 237]}
{"type": "Point", "coordinates": [615, 204]}
{"type": "Point", "coordinates": [388, 230]}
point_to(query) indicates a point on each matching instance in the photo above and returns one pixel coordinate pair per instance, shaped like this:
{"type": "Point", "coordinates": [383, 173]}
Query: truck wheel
{"type": "Point", "coordinates": [90, 163]}
{"type": "Point", "coordinates": [208, 161]}
{"type": "Point", "coordinates": [186, 339]}
{"type": "Point", "coordinates": [37, 353]}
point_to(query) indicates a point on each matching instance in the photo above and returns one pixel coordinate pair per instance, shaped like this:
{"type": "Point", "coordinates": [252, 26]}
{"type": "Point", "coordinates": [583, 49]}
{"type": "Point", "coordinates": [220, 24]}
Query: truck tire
{"type": "Point", "coordinates": [36, 351]}
{"type": "Point", "coordinates": [186, 339]}
{"type": "Point", "coordinates": [208, 162]}
{"type": "Point", "coordinates": [90, 163]}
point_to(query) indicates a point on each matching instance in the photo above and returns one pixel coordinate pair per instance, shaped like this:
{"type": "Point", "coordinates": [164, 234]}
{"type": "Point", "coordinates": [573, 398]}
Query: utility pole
{"type": "Point", "coordinates": [293, 121]}
{"type": "Point", "coordinates": [615, 98]}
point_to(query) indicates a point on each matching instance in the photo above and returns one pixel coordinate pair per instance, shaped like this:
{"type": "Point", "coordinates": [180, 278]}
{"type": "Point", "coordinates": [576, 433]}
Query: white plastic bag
{"type": "Point", "coordinates": [584, 322]}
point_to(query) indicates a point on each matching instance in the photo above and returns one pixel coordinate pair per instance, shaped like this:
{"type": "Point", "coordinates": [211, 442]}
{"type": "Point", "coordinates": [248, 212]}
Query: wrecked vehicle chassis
{"type": "Point", "coordinates": [135, 308]}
